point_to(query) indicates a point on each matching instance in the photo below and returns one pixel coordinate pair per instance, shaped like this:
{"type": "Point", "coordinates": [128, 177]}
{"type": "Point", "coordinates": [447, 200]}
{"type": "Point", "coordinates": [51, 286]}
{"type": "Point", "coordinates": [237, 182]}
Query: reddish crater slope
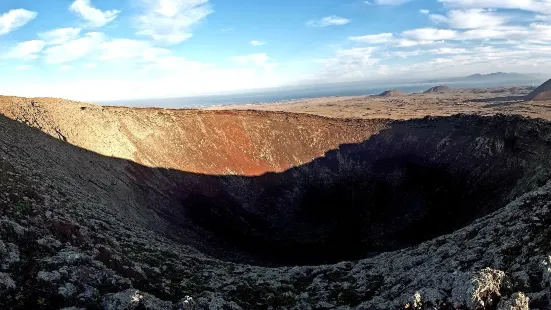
{"type": "Point", "coordinates": [208, 142]}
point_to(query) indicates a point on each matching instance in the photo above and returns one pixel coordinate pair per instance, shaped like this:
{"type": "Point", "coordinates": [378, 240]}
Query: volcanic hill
{"type": "Point", "coordinates": [542, 93]}
{"type": "Point", "coordinates": [438, 89]}
{"type": "Point", "coordinates": [392, 93]}
{"type": "Point", "coordinates": [122, 208]}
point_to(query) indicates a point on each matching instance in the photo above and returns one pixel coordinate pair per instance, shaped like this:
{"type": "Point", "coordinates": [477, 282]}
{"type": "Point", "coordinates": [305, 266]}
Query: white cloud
{"type": "Point", "coordinates": [95, 17]}
{"type": "Point", "coordinates": [503, 33]}
{"type": "Point", "coordinates": [171, 63]}
{"type": "Point", "coordinates": [122, 49]}
{"type": "Point", "coordinates": [429, 34]}
{"type": "Point", "coordinates": [415, 37]}
{"type": "Point", "coordinates": [170, 21]}
{"type": "Point", "coordinates": [542, 6]}
{"type": "Point", "coordinates": [60, 35]}
{"type": "Point", "coordinates": [257, 62]}
{"type": "Point", "coordinates": [140, 54]}
{"type": "Point", "coordinates": [25, 50]}
{"type": "Point", "coordinates": [65, 68]}
{"type": "Point", "coordinates": [127, 49]}
{"type": "Point", "coordinates": [74, 49]}
{"type": "Point", "coordinates": [172, 85]}
{"type": "Point", "coordinates": [347, 64]}
{"type": "Point", "coordinates": [438, 19]}
{"type": "Point", "coordinates": [259, 59]}
{"type": "Point", "coordinates": [410, 43]}
{"type": "Point", "coordinates": [449, 51]}
{"type": "Point", "coordinates": [452, 60]}
{"type": "Point", "coordinates": [328, 21]}
{"type": "Point", "coordinates": [15, 19]}
{"type": "Point", "coordinates": [23, 67]}
{"type": "Point", "coordinates": [425, 12]}
{"type": "Point", "coordinates": [471, 19]}
{"type": "Point", "coordinates": [534, 33]}
{"type": "Point", "coordinates": [545, 18]}
{"type": "Point", "coordinates": [383, 70]}
{"type": "Point", "coordinates": [257, 43]}
{"type": "Point", "coordinates": [485, 59]}
{"type": "Point", "coordinates": [405, 54]}
{"type": "Point", "coordinates": [361, 53]}
{"type": "Point", "coordinates": [169, 76]}
{"type": "Point", "coordinates": [468, 25]}
{"type": "Point", "coordinates": [373, 38]}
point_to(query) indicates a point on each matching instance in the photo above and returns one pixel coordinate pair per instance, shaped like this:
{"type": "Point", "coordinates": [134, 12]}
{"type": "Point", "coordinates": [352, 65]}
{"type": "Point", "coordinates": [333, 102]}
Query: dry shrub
{"type": "Point", "coordinates": [488, 284]}
{"type": "Point", "coordinates": [518, 301]}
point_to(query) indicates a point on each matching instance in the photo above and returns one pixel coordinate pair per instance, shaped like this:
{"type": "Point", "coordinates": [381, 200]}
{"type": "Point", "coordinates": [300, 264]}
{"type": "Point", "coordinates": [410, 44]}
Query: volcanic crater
{"type": "Point", "coordinates": [278, 196]}
{"type": "Point", "coordinates": [277, 189]}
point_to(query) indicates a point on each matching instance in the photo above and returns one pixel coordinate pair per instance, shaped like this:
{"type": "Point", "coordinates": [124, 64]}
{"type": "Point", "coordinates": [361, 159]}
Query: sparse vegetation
{"type": "Point", "coordinates": [488, 284]}
{"type": "Point", "coordinates": [518, 301]}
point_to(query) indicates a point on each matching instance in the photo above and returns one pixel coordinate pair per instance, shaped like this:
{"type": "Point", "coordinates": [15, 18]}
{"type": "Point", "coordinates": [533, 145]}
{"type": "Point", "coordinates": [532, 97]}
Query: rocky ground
{"type": "Point", "coordinates": [90, 227]}
{"type": "Point", "coordinates": [483, 101]}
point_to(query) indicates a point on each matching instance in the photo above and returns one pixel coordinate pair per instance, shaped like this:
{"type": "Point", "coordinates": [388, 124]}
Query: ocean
{"type": "Point", "coordinates": [289, 94]}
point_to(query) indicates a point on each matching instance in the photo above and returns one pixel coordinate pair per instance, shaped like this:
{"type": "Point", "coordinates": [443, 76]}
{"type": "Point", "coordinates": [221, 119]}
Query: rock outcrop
{"type": "Point", "coordinates": [437, 212]}
{"type": "Point", "coordinates": [542, 93]}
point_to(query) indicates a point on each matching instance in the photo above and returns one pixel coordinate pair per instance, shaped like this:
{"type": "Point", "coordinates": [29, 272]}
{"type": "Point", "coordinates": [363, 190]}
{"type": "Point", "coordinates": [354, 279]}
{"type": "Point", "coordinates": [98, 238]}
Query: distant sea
{"type": "Point", "coordinates": [290, 94]}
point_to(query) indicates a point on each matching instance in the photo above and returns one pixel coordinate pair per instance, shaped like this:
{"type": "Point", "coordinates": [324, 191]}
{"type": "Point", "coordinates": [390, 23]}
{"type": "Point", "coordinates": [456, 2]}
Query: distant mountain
{"type": "Point", "coordinates": [497, 76]}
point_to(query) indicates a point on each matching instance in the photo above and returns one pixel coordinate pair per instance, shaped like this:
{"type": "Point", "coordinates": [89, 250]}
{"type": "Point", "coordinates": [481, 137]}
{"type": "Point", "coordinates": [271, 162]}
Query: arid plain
{"type": "Point", "coordinates": [479, 101]}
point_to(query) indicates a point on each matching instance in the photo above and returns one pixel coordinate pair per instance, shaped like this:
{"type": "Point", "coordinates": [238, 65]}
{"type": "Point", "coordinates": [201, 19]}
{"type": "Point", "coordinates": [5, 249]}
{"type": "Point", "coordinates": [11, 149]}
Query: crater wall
{"type": "Point", "coordinates": [209, 142]}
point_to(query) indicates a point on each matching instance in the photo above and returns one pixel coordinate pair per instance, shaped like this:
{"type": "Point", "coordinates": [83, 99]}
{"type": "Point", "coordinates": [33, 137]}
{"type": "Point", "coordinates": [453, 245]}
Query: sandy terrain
{"type": "Point", "coordinates": [483, 101]}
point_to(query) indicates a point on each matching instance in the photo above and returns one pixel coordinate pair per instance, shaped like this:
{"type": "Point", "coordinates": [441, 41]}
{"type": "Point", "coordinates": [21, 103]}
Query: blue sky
{"type": "Point", "coordinates": [129, 49]}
